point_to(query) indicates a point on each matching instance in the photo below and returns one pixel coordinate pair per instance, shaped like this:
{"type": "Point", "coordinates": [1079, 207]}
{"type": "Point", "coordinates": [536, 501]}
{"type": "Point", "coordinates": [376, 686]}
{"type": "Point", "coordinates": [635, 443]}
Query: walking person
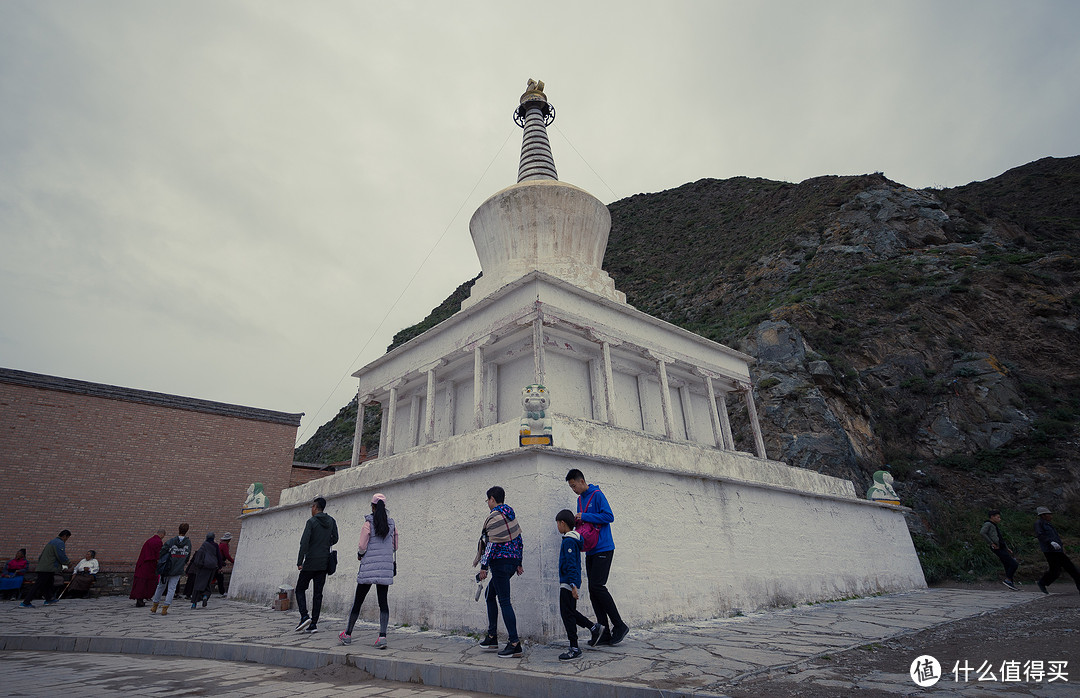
{"type": "Point", "coordinates": [320, 532]}
{"type": "Point", "coordinates": [593, 508]}
{"type": "Point", "coordinates": [226, 557]}
{"type": "Point", "coordinates": [569, 583]}
{"type": "Point", "coordinates": [171, 562]}
{"type": "Point", "coordinates": [376, 552]}
{"type": "Point", "coordinates": [1053, 550]}
{"type": "Point", "coordinates": [52, 560]}
{"type": "Point", "coordinates": [992, 533]}
{"type": "Point", "coordinates": [500, 550]}
{"type": "Point", "coordinates": [205, 563]}
{"type": "Point", "coordinates": [146, 576]}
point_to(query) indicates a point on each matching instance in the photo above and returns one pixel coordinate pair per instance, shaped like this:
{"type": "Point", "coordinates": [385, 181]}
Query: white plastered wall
{"type": "Point", "coordinates": [698, 532]}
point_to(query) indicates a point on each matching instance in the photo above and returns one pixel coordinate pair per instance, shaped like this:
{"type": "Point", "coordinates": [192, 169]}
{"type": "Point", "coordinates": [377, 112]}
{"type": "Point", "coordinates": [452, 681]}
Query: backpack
{"type": "Point", "coordinates": [590, 533]}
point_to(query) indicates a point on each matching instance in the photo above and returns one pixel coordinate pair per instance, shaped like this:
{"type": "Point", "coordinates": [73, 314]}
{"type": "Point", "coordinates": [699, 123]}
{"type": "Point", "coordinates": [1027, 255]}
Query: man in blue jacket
{"type": "Point", "coordinates": [593, 508]}
{"type": "Point", "coordinates": [53, 559]}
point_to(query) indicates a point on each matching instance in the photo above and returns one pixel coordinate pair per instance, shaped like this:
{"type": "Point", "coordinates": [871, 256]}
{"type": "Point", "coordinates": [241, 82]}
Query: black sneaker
{"type": "Point", "coordinates": [572, 653]}
{"type": "Point", "coordinates": [490, 642]}
{"type": "Point", "coordinates": [312, 629]}
{"type": "Point", "coordinates": [303, 624]}
{"type": "Point", "coordinates": [619, 633]}
{"type": "Point", "coordinates": [1009, 583]}
{"type": "Point", "coordinates": [512, 650]}
{"type": "Point", "coordinates": [1042, 587]}
{"type": "Point", "coordinates": [604, 639]}
{"type": "Point", "coordinates": [595, 630]}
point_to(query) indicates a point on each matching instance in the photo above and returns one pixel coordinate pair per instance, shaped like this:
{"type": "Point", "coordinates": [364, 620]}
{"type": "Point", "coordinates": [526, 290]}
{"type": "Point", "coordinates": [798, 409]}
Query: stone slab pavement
{"type": "Point", "coordinates": [672, 660]}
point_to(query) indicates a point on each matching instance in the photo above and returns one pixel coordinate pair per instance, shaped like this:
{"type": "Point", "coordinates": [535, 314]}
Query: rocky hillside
{"type": "Point", "coordinates": [930, 330]}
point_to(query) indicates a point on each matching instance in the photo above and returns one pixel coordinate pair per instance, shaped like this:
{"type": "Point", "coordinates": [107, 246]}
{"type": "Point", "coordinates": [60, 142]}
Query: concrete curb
{"type": "Point", "coordinates": [501, 682]}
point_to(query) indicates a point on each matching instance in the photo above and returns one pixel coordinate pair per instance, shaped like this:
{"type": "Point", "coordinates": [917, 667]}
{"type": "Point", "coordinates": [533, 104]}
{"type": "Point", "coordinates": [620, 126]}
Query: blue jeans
{"type": "Point", "coordinates": [498, 594]}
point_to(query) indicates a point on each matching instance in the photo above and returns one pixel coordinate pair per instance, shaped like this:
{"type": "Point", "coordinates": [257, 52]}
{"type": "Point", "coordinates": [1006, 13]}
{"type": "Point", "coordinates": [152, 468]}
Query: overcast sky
{"type": "Point", "coordinates": [224, 200]}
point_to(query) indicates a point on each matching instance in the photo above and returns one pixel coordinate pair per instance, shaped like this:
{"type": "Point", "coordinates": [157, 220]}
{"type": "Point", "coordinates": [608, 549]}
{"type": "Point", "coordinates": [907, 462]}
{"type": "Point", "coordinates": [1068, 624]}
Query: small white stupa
{"type": "Point", "coordinates": [639, 405]}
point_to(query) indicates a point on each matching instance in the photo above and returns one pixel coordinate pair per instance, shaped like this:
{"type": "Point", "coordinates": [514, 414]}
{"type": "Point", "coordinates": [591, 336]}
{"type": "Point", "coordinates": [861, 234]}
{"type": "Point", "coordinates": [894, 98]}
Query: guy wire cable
{"type": "Point", "coordinates": [571, 144]}
{"type": "Point", "coordinates": [359, 415]}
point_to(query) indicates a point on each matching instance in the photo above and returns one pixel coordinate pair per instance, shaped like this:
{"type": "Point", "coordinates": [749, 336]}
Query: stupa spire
{"type": "Point", "coordinates": [540, 224]}
{"type": "Point", "coordinates": [534, 114]}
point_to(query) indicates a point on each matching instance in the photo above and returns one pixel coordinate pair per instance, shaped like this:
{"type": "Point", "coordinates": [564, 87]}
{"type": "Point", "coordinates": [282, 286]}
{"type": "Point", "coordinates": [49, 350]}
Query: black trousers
{"type": "Point", "coordinates": [358, 601]}
{"type": "Point", "coordinates": [571, 617]}
{"type": "Point", "coordinates": [307, 577]}
{"type": "Point", "coordinates": [1008, 561]}
{"type": "Point", "coordinates": [189, 585]}
{"type": "Point", "coordinates": [43, 584]}
{"type": "Point", "coordinates": [1059, 561]}
{"type": "Point", "coordinates": [597, 567]}
{"type": "Point", "coordinates": [219, 578]}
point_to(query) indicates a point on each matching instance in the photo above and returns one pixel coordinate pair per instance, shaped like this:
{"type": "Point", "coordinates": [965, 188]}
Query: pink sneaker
{"type": "Point", "coordinates": [345, 638]}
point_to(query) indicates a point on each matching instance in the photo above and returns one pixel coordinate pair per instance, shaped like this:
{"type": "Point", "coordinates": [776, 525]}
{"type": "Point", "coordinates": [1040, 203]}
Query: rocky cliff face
{"type": "Point", "coordinates": [931, 330]}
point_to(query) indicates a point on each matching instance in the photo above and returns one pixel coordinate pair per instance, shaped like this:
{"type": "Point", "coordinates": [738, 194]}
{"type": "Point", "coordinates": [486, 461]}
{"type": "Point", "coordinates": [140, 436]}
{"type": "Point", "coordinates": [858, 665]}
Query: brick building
{"type": "Point", "coordinates": [114, 464]}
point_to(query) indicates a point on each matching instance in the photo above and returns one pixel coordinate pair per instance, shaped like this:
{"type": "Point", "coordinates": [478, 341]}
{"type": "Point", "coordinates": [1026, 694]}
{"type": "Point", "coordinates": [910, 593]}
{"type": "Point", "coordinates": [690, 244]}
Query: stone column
{"type": "Point", "coordinates": [429, 405]}
{"type": "Point", "coordinates": [451, 394]}
{"type": "Point", "coordinates": [688, 412]}
{"type": "Point", "coordinates": [478, 387]}
{"type": "Point", "coordinates": [596, 390]}
{"type": "Point", "coordinates": [358, 433]}
{"type": "Point", "coordinates": [538, 345]}
{"type": "Point", "coordinates": [725, 422]}
{"type": "Point", "coordinates": [491, 394]}
{"type": "Point", "coordinates": [607, 375]}
{"type": "Point", "coordinates": [386, 446]}
{"type": "Point", "coordinates": [717, 430]}
{"type": "Point", "coordinates": [643, 404]}
{"type": "Point", "coordinates": [755, 426]}
{"type": "Point", "coordinates": [720, 423]}
{"type": "Point", "coordinates": [384, 417]}
{"type": "Point", "coordinates": [665, 392]}
{"type": "Point", "coordinates": [414, 421]}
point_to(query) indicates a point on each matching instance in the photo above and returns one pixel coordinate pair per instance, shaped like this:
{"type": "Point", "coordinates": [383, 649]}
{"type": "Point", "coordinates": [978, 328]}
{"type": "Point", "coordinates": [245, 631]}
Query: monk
{"type": "Point", "coordinates": [146, 577]}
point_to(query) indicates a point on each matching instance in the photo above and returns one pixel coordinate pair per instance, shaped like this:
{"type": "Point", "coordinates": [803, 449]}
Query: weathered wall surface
{"type": "Point", "coordinates": [692, 541]}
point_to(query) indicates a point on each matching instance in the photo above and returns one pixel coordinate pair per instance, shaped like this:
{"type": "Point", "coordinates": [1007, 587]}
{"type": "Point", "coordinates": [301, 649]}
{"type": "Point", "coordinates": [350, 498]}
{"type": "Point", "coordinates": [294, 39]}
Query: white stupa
{"type": "Point", "coordinates": [639, 405]}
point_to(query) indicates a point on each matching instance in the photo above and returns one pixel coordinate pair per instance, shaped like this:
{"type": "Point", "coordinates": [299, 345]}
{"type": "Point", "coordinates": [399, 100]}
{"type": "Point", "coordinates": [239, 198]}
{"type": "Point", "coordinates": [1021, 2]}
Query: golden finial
{"type": "Point", "coordinates": [534, 92]}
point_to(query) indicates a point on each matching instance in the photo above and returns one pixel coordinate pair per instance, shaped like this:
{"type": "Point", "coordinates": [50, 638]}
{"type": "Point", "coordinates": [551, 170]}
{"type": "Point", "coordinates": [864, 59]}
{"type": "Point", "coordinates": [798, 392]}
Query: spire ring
{"type": "Point", "coordinates": [547, 110]}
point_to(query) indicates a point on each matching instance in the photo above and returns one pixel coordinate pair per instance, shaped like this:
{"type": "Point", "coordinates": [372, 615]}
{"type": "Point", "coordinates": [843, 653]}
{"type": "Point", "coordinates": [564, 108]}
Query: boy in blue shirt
{"type": "Point", "coordinates": [569, 582]}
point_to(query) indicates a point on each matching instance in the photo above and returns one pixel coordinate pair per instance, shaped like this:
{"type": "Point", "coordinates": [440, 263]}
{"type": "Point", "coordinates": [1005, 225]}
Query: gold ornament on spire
{"type": "Point", "coordinates": [534, 92]}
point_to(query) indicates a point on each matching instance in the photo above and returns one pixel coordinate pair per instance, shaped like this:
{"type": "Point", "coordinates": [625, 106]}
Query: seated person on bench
{"type": "Point", "coordinates": [12, 578]}
{"type": "Point", "coordinates": [83, 576]}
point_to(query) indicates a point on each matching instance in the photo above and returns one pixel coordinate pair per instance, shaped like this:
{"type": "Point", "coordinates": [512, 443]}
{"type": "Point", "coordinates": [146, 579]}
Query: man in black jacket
{"type": "Point", "coordinates": [319, 534]}
{"type": "Point", "coordinates": [1053, 550]}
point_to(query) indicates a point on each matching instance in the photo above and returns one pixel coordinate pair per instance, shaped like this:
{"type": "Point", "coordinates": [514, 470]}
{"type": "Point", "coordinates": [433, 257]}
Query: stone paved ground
{"type": "Point", "coordinates": [708, 658]}
{"type": "Point", "coordinates": [49, 674]}
{"type": "Point", "coordinates": [1046, 630]}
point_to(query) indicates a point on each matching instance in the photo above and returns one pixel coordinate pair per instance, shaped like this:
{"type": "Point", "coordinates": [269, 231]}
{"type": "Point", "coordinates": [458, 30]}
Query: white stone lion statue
{"type": "Point", "coordinates": [535, 422]}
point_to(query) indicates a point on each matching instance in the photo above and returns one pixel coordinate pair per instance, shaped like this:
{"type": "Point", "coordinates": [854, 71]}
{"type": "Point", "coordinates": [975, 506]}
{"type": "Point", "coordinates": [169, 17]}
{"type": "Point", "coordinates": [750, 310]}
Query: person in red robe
{"type": "Point", "coordinates": [219, 578]}
{"type": "Point", "coordinates": [146, 576]}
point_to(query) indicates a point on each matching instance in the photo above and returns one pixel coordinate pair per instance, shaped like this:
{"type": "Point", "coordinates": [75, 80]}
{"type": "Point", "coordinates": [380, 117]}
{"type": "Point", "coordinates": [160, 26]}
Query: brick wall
{"type": "Point", "coordinates": [113, 470]}
{"type": "Point", "coordinates": [300, 475]}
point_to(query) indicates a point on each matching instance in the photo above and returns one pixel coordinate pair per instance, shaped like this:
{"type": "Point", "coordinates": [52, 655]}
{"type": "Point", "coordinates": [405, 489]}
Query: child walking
{"type": "Point", "coordinates": [569, 583]}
